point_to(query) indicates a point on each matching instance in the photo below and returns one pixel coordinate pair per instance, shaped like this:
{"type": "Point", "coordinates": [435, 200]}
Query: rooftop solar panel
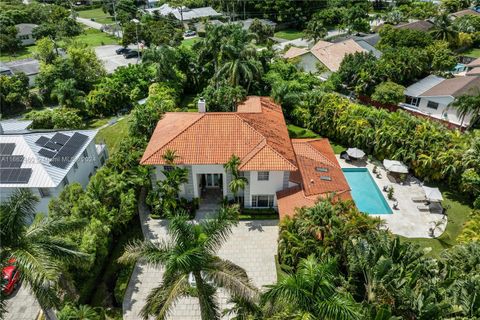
{"type": "Point", "coordinates": [7, 148]}
{"type": "Point", "coordinates": [15, 175]}
{"type": "Point", "coordinates": [42, 141]}
{"type": "Point", "coordinates": [11, 161]}
{"type": "Point", "coordinates": [60, 138]}
{"type": "Point", "coordinates": [47, 153]}
{"type": "Point", "coordinates": [52, 145]}
{"type": "Point", "coordinates": [65, 155]}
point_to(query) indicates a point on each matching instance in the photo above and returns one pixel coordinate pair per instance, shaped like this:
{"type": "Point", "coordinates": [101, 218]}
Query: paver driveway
{"type": "Point", "coordinates": [252, 245]}
{"type": "Point", "coordinates": [22, 305]}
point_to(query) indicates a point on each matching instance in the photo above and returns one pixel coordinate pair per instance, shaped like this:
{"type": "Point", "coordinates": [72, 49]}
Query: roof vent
{"type": "Point", "coordinates": [321, 169]}
{"type": "Point", "coordinates": [326, 178]}
{"type": "Point", "coordinates": [202, 105]}
{"type": "Point", "coordinates": [311, 181]}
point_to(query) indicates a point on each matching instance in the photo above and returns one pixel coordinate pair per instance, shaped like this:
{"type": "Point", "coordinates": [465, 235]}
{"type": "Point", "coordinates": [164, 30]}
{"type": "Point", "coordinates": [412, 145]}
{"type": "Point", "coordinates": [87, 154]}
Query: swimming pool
{"type": "Point", "coordinates": [365, 193]}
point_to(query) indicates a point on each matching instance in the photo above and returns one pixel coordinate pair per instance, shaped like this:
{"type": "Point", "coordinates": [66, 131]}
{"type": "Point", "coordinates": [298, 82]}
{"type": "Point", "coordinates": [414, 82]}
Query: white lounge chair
{"type": "Point", "coordinates": [423, 208]}
{"type": "Point", "coordinates": [419, 199]}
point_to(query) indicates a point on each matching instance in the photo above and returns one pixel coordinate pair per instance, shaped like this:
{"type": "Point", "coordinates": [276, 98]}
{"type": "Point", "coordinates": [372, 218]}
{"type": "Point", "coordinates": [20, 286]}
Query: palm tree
{"type": "Point", "coordinates": [39, 248]}
{"type": "Point", "coordinates": [310, 293]}
{"type": "Point", "coordinates": [468, 105]}
{"type": "Point", "coordinates": [66, 93]}
{"type": "Point", "coordinates": [443, 29]}
{"type": "Point", "coordinates": [169, 156]}
{"type": "Point", "coordinates": [238, 182]}
{"type": "Point", "coordinates": [191, 251]}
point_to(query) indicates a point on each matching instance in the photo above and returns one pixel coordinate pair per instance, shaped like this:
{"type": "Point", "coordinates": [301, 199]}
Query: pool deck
{"type": "Point", "coordinates": [407, 221]}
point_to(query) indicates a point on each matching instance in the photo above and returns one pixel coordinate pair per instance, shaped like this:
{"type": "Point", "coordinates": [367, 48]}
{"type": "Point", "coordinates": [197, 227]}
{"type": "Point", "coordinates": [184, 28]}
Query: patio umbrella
{"type": "Point", "coordinates": [355, 153]}
{"type": "Point", "coordinates": [432, 194]}
{"type": "Point", "coordinates": [395, 166]}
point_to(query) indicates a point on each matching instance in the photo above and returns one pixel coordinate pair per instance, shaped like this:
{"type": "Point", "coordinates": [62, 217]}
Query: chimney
{"type": "Point", "coordinates": [201, 105]}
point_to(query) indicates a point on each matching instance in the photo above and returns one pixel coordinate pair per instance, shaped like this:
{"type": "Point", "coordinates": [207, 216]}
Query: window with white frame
{"type": "Point", "coordinates": [44, 192]}
{"type": "Point", "coordinates": [262, 200]}
{"type": "Point", "coordinates": [432, 105]}
{"type": "Point", "coordinates": [263, 175]}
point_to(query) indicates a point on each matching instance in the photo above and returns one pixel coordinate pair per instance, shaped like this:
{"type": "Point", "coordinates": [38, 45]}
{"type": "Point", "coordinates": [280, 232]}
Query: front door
{"type": "Point", "coordinates": [213, 180]}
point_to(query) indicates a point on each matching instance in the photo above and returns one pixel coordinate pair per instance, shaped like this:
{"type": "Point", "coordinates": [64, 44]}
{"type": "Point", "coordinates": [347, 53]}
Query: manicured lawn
{"type": "Point", "coordinates": [289, 34]}
{"type": "Point", "coordinates": [24, 53]}
{"type": "Point", "coordinates": [113, 135]}
{"type": "Point", "coordinates": [94, 38]}
{"type": "Point", "coordinates": [97, 14]}
{"type": "Point", "coordinates": [296, 132]}
{"type": "Point", "coordinates": [97, 123]}
{"type": "Point", "coordinates": [474, 52]}
{"type": "Point", "coordinates": [190, 42]}
{"type": "Point", "coordinates": [457, 216]}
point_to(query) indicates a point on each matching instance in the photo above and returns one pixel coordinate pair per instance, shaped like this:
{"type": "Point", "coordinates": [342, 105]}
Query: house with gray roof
{"type": "Point", "coordinates": [31, 67]}
{"type": "Point", "coordinates": [25, 33]}
{"type": "Point", "coordinates": [46, 162]}
{"type": "Point", "coordinates": [433, 96]}
{"type": "Point", "coordinates": [184, 12]}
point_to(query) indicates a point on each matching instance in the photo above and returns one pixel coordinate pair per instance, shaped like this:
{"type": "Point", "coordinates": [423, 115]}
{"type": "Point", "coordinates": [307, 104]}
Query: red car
{"type": "Point", "coordinates": [10, 278]}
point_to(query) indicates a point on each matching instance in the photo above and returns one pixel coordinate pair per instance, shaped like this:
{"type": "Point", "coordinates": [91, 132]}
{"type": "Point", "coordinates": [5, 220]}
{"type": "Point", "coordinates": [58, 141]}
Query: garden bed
{"type": "Point", "coordinates": [258, 214]}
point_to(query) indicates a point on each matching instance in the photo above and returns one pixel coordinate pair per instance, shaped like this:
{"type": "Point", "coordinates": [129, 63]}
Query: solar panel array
{"type": "Point", "coordinates": [10, 166]}
{"type": "Point", "coordinates": [61, 148]}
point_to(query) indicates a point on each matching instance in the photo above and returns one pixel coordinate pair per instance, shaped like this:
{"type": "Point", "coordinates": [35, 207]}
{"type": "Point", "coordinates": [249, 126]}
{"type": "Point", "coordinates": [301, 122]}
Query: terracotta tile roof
{"type": "Point", "coordinates": [260, 139]}
{"type": "Point", "coordinates": [454, 87]}
{"type": "Point", "coordinates": [332, 54]}
{"type": "Point", "coordinates": [315, 159]}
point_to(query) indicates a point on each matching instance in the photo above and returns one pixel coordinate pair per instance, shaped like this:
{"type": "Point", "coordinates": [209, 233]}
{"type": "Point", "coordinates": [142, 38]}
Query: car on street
{"type": "Point", "coordinates": [10, 278]}
{"type": "Point", "coordinates": [131, 54]}
{"type": "Point", "coordinates": [122, 50]}
{"type": "Point", "coordinates": [189, 33]}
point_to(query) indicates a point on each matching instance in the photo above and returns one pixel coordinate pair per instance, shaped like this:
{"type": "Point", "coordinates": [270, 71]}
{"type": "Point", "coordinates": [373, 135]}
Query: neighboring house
{"type": "Point", "coordinates": [45, 162]}
{"type": "Point", "coordinates": [187, 13]}
{"type": "Point", "coordinates": [25, 31]}
{"type": "Point", "coordinates": [465, 12]}
{"type": "Point", "coordinates": [432, 96]}
{"type": "Point", "coordinates": [298, 43]}
{"type": "Point", "coordinates": [152, 3]}
{"type": "Point", "coordinates": [248, 22]}
{"type": "Point", "coordinates": [31, 67]}
{"type": "Point", "coordinates": [323, 56]}
{"type": "Point", "coordinates": [256, 133]}
{"type": "Point", "coordinates": [14, 126]}
{"type": "Point", "coordinates": [200, 26]}
{"type": "Point", "coordinates": [420, 25]}
{"type": "Point", "coordinates": [5, 70]}
{"type": "Point", "coordinates": [473, 68]}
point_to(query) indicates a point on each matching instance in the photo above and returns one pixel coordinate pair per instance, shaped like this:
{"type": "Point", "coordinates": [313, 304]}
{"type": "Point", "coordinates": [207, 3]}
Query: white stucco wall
{"type": "Point", "coordinates": [443, 103]}
{"type": "Point", "coordinates": [270, 187]}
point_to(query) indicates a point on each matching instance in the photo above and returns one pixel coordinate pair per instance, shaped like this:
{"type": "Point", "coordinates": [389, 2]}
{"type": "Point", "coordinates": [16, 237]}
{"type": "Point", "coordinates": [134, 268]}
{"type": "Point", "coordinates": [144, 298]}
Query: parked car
{"type": "Point", "coordinates": [10, 278]}
{"type": "Point", "coordinates": [131, 54]}
{"type": "Point", "coordinates": [122, 50]}
{"type": "Point", "coordinates": [189, 33]}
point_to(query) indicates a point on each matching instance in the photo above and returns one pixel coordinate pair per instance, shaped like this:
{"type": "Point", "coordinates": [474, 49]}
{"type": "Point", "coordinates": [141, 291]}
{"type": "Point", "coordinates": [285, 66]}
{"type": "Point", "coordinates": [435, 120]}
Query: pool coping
{"type": "Point", "coordinates": [379, 192]}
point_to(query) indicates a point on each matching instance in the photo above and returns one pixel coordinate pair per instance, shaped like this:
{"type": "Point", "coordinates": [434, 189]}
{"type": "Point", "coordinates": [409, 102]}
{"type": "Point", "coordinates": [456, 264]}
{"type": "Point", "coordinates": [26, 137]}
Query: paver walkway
{"type": "Point", "coordinates": [252, 245]}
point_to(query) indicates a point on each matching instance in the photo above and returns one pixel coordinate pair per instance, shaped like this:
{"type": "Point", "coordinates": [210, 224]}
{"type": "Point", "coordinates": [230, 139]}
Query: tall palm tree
{"type": "Point", "coordinates": [443, 29]}
{"type": "Point", "coordinates": [468, 105]}
{"type": "Point", "coordinates": [170, 156]}
{"type": "Point", "coordinates": [310, 293]}
{"type": "Point", "coordinates": [39, 248]}
{"type": "Point", "coordinates": [191, 251]}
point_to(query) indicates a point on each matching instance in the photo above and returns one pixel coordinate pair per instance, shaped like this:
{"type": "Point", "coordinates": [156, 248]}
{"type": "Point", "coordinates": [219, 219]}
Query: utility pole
{"type": "Point", "coordinates": [115, 19]}
{"type": "Point", "coordinates": [136, 21]}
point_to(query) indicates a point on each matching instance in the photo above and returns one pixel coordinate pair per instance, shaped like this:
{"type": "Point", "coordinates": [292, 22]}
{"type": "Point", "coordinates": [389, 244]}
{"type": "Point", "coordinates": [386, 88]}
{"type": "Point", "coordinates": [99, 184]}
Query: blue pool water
{"type": "Point", "coordinates": [365, 193]}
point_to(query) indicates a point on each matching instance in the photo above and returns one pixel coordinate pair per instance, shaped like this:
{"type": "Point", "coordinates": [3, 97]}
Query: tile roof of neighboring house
{"type": "Point", "coordinates": [474, 63]}
{"type": "Point", "coordinates": [465, 12]}
{"type": "Point", "coordinates": [256, 133]}
{"type": "Point", "coordinates": [294, 52]}
{"type": "Point", "coordinates": [44, 175]}
{"type": "Point", "coordinates": [421, 25]}
{"type": "Point", "coordinates": [474, 72]}
{"type": "Point", "coordinates": [319, 176]}
{"type": "Point", "coordinates": [25, 28]}
{"type": "Point", "coordinates": [454, 87]}
{"type": "Point", "coordinates": [248, 22]}
{"type": "Point", "coordinates": [423, 85]}
{"type": "Point", "coordinates": [332, 54]}
{"type": "Point", "coordinates": [367, 46]}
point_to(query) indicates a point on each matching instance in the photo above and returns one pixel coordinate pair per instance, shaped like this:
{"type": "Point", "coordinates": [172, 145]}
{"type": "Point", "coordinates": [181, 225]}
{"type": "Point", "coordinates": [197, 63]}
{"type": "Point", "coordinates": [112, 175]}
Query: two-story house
{"type": "Point", "coordinates": [256, 133]}
{"type": "Point", "coordinates": [45, 162]}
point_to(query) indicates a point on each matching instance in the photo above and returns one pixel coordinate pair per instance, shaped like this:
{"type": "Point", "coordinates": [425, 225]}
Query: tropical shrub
{"type": "Point", "coordinates": [389, 93]}
{"type": "Point", "coordinates": [58, 118]}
